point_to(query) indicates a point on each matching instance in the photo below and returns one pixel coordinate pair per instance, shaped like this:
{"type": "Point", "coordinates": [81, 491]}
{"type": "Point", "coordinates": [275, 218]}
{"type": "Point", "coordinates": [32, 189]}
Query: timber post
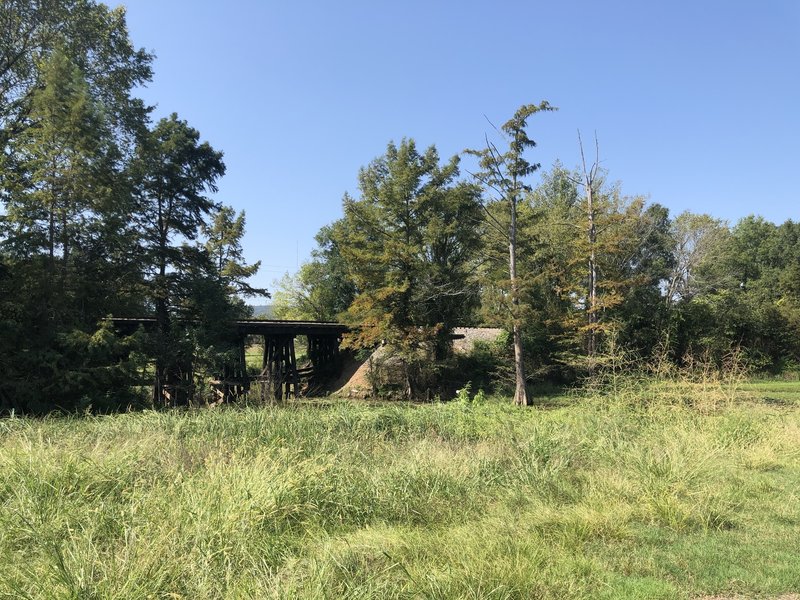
{"type": "Point", "coordinates": [279, 368]}
{"type": "Point", "coordinates": [323, 350]}
{"type": "Point", "coordinates": [280, 375]}
{"type": "Point", "coordinates": [234, 382]}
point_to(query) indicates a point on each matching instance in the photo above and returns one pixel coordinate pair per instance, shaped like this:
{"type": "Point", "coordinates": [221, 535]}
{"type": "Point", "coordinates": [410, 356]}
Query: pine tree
{"type": "Point", "coordinates": [602, 260]}
{"type": "Point", "coordinates": [56, 167]}
{"type": "Point", "coordinates": [224, 247]}
{"type": "Point", "coordinates": [173, 172]}
{"type": "Point", "coordinates": [61, 189]}
{"type": "Point", "coordinates": [93, 37]}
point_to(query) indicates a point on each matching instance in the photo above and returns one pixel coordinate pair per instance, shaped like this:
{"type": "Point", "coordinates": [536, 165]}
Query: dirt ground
{"type": "Point", "coordinates": [353, 381]}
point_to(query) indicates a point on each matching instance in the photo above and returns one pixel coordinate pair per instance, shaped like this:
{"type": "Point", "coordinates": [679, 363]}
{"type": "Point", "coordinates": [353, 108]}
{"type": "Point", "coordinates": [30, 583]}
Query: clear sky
{"type": "Point", "coordinates": [695, 102]}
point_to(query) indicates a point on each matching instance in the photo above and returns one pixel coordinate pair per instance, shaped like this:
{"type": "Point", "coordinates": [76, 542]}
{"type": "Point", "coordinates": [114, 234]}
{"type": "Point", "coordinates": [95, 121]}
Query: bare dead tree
{"type": "Point", "coordinates": [589, 182]}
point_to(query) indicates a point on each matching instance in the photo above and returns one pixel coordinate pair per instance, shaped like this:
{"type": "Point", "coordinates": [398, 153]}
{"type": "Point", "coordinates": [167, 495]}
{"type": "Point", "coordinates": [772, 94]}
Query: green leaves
{"type": "Point", "coordinates": [102, 214]}
{"type": "Point", "coordinates": [224, 247]}
{"type": "Point", "coordinates": [91, 36]}
{"type": "Point", "coordinates": [502, 172]}
{"type": "Point", "coordinates": [408, 245]}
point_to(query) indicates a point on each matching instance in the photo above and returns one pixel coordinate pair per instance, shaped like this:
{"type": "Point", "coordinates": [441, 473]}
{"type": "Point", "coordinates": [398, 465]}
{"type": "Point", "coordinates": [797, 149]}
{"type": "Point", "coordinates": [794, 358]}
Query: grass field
{"type": "Point", "coordinates": [580, 498]}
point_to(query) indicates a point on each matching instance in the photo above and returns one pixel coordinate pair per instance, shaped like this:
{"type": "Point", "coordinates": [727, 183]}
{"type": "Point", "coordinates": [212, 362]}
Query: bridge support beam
{"type": "Point", "coordinates": [175, 376]}
{"type": "Point", "coordinates": [279, 368]}
{"type": "Point", "coordinates": [174, 383]}
{"type": "Point", "coordinates": [234, 382]}
{"type": "Point", "coordinates": [323, 351]}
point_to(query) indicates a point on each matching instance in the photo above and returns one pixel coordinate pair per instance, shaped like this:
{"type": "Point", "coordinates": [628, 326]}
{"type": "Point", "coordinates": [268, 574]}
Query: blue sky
{"type": "Point", "coordinates": [695, 103]}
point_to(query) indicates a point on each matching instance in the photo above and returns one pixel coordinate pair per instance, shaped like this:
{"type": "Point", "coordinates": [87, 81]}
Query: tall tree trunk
{"type": "Point", "coordinates": [593, 317]}
{"type": "Point", "coordinates": [520, 391]}
{"type": "Point", "coordinates": [65, 246]}
{"type": "Point", "coordinates": [51, 234]}
{"type": "Point", "coordinates": [51, 230]}
{"type": "Point", "coordinates": [162, 366]}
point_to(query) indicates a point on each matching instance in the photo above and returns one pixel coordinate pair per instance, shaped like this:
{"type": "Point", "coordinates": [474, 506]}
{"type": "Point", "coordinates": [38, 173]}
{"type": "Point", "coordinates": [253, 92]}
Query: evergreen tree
{"type": "Point", "coordinates": [588, 284]}
{"type": "Point", "coordinates": [174, 171]}
{"type": "Point", "coordinates": [93, 37]}
{"type": "Point", "coordinates": [62, 191]}
{"type": "Point", "coordinates": [224, 247]}
{"type": "Point", "coordinates": [58, 168]}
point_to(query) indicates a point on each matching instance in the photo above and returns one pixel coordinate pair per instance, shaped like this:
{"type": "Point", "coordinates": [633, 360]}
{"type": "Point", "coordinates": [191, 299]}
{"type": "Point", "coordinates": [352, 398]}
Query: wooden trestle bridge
{"type": "Point", "coordinates": [280, 375]}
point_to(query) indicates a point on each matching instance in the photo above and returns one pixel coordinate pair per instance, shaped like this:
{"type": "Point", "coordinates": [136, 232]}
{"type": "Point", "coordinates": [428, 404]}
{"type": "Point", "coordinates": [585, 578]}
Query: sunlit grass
{"type": "Point", "coordinates": [592, 499]}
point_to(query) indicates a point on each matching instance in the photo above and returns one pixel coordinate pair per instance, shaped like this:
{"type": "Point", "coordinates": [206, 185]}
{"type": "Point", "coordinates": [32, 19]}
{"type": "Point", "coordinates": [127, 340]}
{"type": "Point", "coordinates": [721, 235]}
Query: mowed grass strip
{"type": "Point", "coordinates": [588, 500]}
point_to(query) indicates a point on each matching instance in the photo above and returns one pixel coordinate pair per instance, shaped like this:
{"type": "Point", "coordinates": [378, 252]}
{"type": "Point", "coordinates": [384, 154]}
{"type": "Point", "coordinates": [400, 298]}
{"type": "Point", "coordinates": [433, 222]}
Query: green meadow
{"type": "Point", "coordinates": [580, 497]}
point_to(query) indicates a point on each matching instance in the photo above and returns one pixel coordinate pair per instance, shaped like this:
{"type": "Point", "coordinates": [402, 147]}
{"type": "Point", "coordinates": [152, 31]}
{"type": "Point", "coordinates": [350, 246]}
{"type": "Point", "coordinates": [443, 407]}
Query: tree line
{"type": "Point", "coordinates": [106, 212]}
{"type": "Point", "coordinates": [570, 267]}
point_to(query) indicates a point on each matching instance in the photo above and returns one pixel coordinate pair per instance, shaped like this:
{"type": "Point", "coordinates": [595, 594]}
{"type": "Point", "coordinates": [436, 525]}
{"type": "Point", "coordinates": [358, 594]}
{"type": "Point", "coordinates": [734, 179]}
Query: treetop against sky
{"type": "Point", "coordinates": [693, 103]}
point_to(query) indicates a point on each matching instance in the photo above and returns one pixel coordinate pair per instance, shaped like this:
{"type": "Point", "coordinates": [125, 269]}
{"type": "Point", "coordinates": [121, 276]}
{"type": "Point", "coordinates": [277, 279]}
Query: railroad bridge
{"type": "Point", "coordinates": [279, 376]}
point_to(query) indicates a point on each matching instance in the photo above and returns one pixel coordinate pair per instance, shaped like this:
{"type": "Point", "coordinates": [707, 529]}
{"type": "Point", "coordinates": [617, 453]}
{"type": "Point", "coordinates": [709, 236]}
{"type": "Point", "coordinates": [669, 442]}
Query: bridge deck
{"type": "Point", "coordinates": [252, 326]}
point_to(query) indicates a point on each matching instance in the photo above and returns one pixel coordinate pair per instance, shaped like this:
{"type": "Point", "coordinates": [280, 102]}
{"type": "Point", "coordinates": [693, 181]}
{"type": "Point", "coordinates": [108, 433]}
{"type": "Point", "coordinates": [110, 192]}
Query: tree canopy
{"type": "Point", "coordinates": [407, 244]}
{"type": "Point", "coordinates": [104, 213]}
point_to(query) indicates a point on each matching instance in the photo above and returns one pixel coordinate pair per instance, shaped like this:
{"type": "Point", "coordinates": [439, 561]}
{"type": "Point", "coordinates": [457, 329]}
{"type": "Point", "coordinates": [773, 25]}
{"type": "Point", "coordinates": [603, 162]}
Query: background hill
{"type": "Point", "coordinates": [263, 311]}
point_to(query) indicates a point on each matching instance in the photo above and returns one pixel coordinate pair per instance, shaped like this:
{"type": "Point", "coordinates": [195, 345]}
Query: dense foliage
{"type": "Point", "coordinates": [104, 212]}
{"type": "Point", "coordinates": [596, 272]}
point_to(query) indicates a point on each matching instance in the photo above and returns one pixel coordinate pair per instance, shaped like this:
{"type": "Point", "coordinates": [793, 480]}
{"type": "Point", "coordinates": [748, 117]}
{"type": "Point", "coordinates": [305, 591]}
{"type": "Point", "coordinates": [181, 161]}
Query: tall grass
{"type": "Point", "coordinates": [591, 500]}
{"type": "Point", "coordinates": [702, 381]}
